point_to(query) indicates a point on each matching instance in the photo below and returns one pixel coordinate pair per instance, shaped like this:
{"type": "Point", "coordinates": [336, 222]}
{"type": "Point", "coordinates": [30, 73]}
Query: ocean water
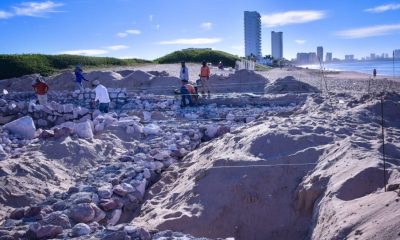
{"type": "Point", "coordinates": [383, 68]}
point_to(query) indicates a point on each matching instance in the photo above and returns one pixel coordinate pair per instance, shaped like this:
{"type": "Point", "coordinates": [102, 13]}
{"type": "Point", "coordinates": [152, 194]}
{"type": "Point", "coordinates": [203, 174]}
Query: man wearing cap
{"type": "Point", "coordinates": [101, 96]}
{"type": "Point", "coordinates": [41, 89]}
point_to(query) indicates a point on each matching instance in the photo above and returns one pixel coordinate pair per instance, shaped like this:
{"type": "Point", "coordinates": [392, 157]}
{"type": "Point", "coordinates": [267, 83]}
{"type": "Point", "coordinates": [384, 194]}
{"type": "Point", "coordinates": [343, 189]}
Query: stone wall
{"type": "Point", "coordinates": [85, 98]}
{"type": "Point", "coordinates": [62, 107]}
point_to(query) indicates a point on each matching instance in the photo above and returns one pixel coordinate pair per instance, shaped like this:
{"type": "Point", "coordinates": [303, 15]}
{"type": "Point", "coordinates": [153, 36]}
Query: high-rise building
{"type": "Point", "coordinates": [372, 56]}
{"type": "Point", "coordinates": [277, 45]}
{"type": "Point", "coordinates": [349, 57]}
{"type": "Point", "coordinates": [306, 58]}
{"type": "Point", "coordinates": [396, 53]}
{"type": "Point", "coordinates": [328, 57]}
{"type": "Point", "coordinates": [320, 53]}
{"type": "Point", "coordinates": [252, 34]}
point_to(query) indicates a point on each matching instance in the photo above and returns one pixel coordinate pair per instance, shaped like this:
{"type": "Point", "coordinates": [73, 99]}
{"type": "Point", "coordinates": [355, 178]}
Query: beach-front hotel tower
{"type": "Point", "coordinates": [320, 53]}
{"type": "Point", "coordinates": [277, 45]}
{"type": "Point", "coordinates": [252, 34]}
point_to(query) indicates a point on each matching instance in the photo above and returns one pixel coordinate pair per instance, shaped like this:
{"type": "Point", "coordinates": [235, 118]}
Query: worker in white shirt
{"type": "Point", "coordinates": [101, 96]}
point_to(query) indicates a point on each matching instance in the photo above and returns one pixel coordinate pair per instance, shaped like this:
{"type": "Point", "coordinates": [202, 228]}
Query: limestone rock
{"type": "Point", "coordinates": [82, 212]}
{"type": "Point", "coordinates": [84, 130]}
{"type": "Point", "coordinates": [58, 219]}
{"type": "Point", "coordinates": [23, 127]}
{"type": "Point", "coordinates": [80, 229]}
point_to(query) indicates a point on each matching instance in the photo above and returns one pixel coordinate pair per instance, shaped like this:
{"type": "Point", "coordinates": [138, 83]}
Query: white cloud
{"type": "Point", "coordinates": [133, 31]}
{"type": "Point", "coordinates": [206, 26]}
{"type": "Point", "coordinates": [158, 26]}
{"type": "Point", "coordinates": [122, 34]}
{"type": "Point", "coordinates": [86, 52]}
{"type": "Point", "coordinates": [150, 18]}
{"type": "Point", "coordinates": [31, 9]}
{"type": "Point", "coordinates": [36, 9]}
{"type": "Point", "coordinates": [299, 41]}
{"type": "Point", "coordinates": [291, 17]}
{"type": "Point", "coordinates": [383, 8]}
{"type": "Point", "coordinates": [129, 32]}
{"type": "Point", "coordinates": [191, 41]}
{"type": "Point", "coordinates": [117, 47]}
{"type": "Point", "coordinates": [4, 15]}
{"type": "Point", "coordinates": [127, 57]}
{"type": "Point", "coordinates": [371, 31]}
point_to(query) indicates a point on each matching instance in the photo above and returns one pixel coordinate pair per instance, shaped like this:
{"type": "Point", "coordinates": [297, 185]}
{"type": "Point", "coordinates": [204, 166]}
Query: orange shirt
{"type": "Point", "coordinates": [205, 72]}
{"type": "Point", "coordinates": [190, 88]}
{"type": "Point", "coordinates": [41, 88]}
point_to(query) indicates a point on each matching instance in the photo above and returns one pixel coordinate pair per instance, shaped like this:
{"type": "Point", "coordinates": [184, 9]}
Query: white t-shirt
{"type": "Point", "coordinates": [184, 75]}
{"type": "Point", "coordinates": [102, 94]}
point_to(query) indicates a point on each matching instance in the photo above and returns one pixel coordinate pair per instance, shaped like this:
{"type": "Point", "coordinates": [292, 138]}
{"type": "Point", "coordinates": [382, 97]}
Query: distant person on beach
{"type": "Point", "coordinates": [220, 65]}
{"type": "Point", "coordinates": [79, 77]}
{"type": "Point", "coordinates": [204, 78]}
{"type": "Point", "coordinates": [101, 96]}
{"type": "Point", "coordinates": [41, 89]}
{"type": "Point", "coordinates": [374, 73]}
{"type": "Point", "coordinates": [184, 73]}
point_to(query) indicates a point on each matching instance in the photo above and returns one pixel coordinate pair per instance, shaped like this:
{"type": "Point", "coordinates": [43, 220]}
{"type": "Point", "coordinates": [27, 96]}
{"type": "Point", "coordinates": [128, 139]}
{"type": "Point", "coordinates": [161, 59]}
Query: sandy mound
{"type": "Point", "coordinates": [240, 81]}
{"type": "Point", "coordinates": [29, 179]}
{"type": "Point", "coordinates": [290, 84]}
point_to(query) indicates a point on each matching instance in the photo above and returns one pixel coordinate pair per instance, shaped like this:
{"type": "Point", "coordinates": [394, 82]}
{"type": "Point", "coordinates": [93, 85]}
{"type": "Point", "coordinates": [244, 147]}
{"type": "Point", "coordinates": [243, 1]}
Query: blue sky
{"type": "Point", "coordinates": [152, 28]}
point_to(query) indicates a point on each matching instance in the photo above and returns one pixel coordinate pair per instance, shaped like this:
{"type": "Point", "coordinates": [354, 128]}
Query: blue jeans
{"type": "Point", "coordinates": [79, 86]}
{"type": "Point", "coordinates": [185, 95]}
{"type": "Point", "coordinates": [103, 107]}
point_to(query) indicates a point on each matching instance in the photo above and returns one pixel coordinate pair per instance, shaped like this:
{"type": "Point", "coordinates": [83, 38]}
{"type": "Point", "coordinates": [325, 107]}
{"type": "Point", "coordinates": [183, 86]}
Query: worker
{"type": "Point", "coordinates": [79, 77]}
{"type": "Point", "coordinates": [221, 65]}
{"type": "Point", "coordinates": [184, 73]}
{"type": "Point", "coordinates": [102, 96]}
{"type": "Point", "coordinates": [188, 93]}
{"type": "Point", "coordinates": [41, 89]}
{"type": "Point", "coordinates": [204, 78]}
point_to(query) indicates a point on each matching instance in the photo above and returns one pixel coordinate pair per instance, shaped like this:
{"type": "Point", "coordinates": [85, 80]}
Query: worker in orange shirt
{"type": "Point", "coordinates": [204, 78]}
{"type": "Point", "coordinates": [41, 89]}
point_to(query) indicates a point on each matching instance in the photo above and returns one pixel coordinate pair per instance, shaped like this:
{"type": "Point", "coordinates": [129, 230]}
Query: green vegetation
{"type": "Point", "coordinates": [199, 55]}
{"type": "Point", "coordinates": [25, 64]}
{"type": "Point", "coordinates": [19, 65]}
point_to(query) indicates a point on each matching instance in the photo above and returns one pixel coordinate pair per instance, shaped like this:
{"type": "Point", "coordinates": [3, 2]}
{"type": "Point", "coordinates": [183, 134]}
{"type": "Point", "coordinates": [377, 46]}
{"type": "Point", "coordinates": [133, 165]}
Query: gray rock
{"type": "Point", "coordinates": [68, 108]}
{"type": "Point", "coordinates": [82, 213]}
{"type": "Point", "coordinates": [23, 127]}
{"type": "Point", "coordinates": [84, 130]}
{"type": "Point", "coordinates": [80, 229]}
{"type": "Point", "coordinates": [3, 154]}
{"type": "Point", "coordinates": [120, 235]}
{"type": "Point", "coordinates": [81, 197]}
{"type": "Point", "coordinates": [104, 192]}
{"type": "Point", "coordinates": [58, 219]}
{"type": "Point", "coordinates": [115, 216]}
{"type": "Point", "coordinates": [42, 123]}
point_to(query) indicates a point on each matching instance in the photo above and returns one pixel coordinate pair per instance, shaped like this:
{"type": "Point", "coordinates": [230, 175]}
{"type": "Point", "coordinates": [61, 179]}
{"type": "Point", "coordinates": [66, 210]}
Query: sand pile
{"type": "Point", "coordinates": [240, 81]}
{"type": "Point", "coordinates": [335, 181]}
{"type": "Point", "coordinates": [290, 84]}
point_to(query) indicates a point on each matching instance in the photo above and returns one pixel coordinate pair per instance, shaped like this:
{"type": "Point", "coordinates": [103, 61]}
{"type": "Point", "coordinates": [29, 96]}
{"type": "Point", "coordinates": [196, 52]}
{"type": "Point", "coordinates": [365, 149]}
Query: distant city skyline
{"type": "Point", "coordinates": [150, 29]}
